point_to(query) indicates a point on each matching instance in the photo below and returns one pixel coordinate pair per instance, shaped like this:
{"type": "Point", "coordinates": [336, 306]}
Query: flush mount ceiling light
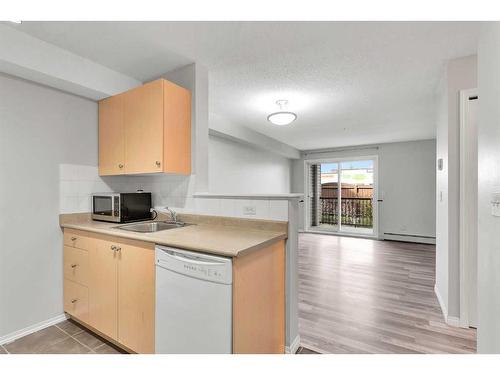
{"type": "Point", "coordinates": [282, 117]}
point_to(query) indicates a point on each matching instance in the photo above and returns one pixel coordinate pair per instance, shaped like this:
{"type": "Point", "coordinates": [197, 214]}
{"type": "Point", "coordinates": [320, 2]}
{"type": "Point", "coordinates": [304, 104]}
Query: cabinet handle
{"type": "Point", "coordinates": [74, 300]}
{"type": "Point", "coordinates": [74, 265]}
{"type": "Point", "coordinates": [120, 166]}
{"type": "Point", "coordinates": [113, 247]}
{"type": "Point", "coordinates": [158, 163]}
{"type": "Point", "coordinates": [118, 249]}
{"type": "Point", "coordinates": [73, 238]}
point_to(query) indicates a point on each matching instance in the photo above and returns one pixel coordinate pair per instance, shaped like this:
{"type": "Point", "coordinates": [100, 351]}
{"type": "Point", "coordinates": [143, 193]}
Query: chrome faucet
{"type": "Point", "coordinates": [173, 214]}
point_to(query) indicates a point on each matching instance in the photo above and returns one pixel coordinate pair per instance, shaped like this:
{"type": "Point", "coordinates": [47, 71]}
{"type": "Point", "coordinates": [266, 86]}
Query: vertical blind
{"type": "Point", "coordinates": [315, 193]}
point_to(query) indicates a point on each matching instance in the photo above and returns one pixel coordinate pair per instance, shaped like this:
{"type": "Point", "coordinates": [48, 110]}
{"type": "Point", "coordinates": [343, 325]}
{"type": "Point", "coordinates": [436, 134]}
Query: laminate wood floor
{"type": "Point", "coordinates": [367, 296]}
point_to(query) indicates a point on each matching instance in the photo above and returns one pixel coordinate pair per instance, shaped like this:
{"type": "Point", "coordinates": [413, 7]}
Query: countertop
{"type": "Point", "coordinates": [218, 237]}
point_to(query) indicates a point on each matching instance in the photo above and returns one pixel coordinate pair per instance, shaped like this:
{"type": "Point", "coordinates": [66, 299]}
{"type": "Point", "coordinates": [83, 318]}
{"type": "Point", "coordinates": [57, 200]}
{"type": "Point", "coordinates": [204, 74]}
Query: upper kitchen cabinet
{"type": "Point", "coordinates": [111, 136]}
{"type": "Point", "coordinates": [143, 123]}
{"type": "Point", "coordinates": [146, 130]}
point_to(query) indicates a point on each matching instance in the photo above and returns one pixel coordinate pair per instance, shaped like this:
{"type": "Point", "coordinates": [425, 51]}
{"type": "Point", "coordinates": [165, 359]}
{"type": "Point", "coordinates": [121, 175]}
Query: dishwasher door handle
{"type": "Point", "coordinates": [189, 259]}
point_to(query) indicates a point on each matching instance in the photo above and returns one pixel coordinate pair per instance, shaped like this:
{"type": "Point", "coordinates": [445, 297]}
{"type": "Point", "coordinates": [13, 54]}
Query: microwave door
{"type": "Point", "coordinates": [104, 208]}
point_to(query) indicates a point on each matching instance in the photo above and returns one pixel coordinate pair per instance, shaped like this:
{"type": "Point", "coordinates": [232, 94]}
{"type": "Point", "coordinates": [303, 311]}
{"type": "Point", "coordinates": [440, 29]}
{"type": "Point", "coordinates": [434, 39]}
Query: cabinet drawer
{"type": "Point", "coordinates": [77, 239]}
{"type": "Point", "coordinates": [76, 265]}
{"type": "Point", "coordinates": [76, 300]}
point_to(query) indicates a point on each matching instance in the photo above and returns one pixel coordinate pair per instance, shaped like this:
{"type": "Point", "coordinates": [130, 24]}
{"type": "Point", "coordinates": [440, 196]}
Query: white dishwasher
{"type": "Point", "coordinates": [193, 302]}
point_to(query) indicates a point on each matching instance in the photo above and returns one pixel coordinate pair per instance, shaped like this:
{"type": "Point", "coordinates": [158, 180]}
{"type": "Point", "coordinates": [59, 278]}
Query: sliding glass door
{"type": "Point", "coordinates": [341, 196]}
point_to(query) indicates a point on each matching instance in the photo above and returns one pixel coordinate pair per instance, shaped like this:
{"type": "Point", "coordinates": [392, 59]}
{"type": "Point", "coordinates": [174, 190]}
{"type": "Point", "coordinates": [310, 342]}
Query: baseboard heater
{"type": "Point", "coordinates": [410, 238]}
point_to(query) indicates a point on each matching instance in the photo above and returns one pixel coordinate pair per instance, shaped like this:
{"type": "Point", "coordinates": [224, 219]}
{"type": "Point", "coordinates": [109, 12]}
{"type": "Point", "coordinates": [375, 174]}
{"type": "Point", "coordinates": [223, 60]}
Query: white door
{"type": "Point", "coordinates": [468, 207]}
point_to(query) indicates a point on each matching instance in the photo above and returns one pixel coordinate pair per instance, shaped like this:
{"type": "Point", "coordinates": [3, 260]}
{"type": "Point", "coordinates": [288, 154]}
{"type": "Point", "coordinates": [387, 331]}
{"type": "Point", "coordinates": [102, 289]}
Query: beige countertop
{"type": "Point", "coordinates": [221, 236]}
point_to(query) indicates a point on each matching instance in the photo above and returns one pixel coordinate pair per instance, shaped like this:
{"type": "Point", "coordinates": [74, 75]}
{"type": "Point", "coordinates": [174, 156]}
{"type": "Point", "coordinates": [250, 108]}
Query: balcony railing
{"type": "Point", "coordinates": [357, 212]}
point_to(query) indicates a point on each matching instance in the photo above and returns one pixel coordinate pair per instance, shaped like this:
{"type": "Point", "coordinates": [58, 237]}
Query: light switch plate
{"type": "Point", "coordinates": [495, 204]}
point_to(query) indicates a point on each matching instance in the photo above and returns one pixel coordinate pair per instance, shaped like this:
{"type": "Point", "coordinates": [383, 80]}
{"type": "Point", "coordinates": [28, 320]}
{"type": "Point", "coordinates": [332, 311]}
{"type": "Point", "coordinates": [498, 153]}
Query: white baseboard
{"type": "Point", "coordinates": [341, 234]}
{"type": "Point", "coordinates": [450, 320]}
{"type": "Point", "coordinates": [31, 329]}
{"type": "Point", "coordinates": [409, 238]}
{"type": "Point", "coordinates": [294, 346]}
{"type": "Point", "coordinates": [444, 310]}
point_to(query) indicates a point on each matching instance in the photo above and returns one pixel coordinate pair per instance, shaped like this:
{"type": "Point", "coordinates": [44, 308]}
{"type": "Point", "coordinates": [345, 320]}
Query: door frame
{"type": "Point", "coordinates": [307, 195]}
{"type": "Point", "coordinates": [465, 221]}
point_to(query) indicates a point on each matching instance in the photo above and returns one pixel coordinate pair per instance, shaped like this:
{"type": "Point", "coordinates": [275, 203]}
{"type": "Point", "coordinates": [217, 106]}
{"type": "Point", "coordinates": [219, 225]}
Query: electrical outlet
{"type": "Point", "coordinates": [249, 210]}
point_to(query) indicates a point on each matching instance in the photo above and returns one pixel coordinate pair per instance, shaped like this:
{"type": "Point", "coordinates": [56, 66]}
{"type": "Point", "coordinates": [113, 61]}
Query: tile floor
{"type": "Point", "coordinates": [67, 337]}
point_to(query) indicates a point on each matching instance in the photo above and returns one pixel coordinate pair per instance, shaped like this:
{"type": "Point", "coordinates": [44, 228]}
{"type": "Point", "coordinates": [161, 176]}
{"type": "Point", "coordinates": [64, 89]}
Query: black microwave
{"type": "Point", "coordinates": [121, 207]}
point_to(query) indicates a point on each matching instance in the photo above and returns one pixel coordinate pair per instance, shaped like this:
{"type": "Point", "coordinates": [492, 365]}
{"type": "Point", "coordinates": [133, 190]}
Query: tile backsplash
{"type": "Point", "coordinates": [78, 182]}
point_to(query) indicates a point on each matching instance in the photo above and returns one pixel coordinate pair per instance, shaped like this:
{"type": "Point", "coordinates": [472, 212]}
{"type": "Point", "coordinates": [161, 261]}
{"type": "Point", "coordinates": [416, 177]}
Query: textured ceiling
{"type": "Point", "coordinates": [350, 83]}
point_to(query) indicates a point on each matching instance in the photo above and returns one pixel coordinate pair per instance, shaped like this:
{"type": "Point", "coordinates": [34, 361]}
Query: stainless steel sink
{"type": "Point", "coordinates": [152, 226]}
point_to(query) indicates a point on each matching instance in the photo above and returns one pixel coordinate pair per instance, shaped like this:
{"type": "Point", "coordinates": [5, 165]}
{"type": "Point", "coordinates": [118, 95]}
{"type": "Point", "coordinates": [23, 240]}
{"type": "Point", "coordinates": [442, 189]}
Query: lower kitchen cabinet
{"type": "Point", "coordinates": [118, 299]}
{"type": "Point", "coordinates": [103, 284]}
{"type": "Point", "coordinates": [136, 297]}
{"type": "Point", "coordinates": [109, 286]}
{"type": "Point", "coordinates": [259, 301]}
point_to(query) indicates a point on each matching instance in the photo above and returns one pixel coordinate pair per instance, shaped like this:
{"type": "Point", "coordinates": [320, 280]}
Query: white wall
{"type": "Point", "coordinates": [459, 74]}
{"type": "Point", "coordinates": [194, 77]}
{"type": "Point", "coordinates": [408, 187]}
{"type": "Point", "coordinates": [406, 184]}
{"type": "Point", "coordinates": [40, 128]}
{"type": "Point", "coordinates": [488, 334]}
{"type": "Point", "coordinates": [239, 168]}
{"type": "Point", "coordinates": [23, 55]}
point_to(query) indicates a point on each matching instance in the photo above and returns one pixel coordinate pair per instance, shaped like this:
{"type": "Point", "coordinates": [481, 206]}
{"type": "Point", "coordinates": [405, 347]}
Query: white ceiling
{"type": "Point", "coordinates": [350, 83]}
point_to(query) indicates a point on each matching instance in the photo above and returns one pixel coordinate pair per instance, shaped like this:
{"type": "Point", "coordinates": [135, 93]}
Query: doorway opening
{"type": "Point", "coordinates": [341, 195]}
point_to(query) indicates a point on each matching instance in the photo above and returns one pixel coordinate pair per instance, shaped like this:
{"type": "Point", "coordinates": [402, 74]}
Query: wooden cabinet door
{"type": "Point", "coordinates": [103, 288]}
{"type": "Point", "coordinates": [143, 124]}
{"type": "Point", "coordinates": [111, 136]}
{"type": "Point", "coordinates": [259, 301]}
{"type": "Point", "coordinates": [136, 297]}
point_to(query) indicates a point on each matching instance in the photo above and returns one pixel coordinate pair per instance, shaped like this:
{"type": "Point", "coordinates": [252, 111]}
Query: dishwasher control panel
{"type": "Point", "coordinates": [202, 266]}
{"type": "Point", "coordinates": [204, 271]}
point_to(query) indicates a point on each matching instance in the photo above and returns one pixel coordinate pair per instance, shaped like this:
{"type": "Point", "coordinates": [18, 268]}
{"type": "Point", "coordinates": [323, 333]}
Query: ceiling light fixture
{"type": "Point", "coordinates": [282, 117]}
{"type": "Point", "coordinates": [16, 21]}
